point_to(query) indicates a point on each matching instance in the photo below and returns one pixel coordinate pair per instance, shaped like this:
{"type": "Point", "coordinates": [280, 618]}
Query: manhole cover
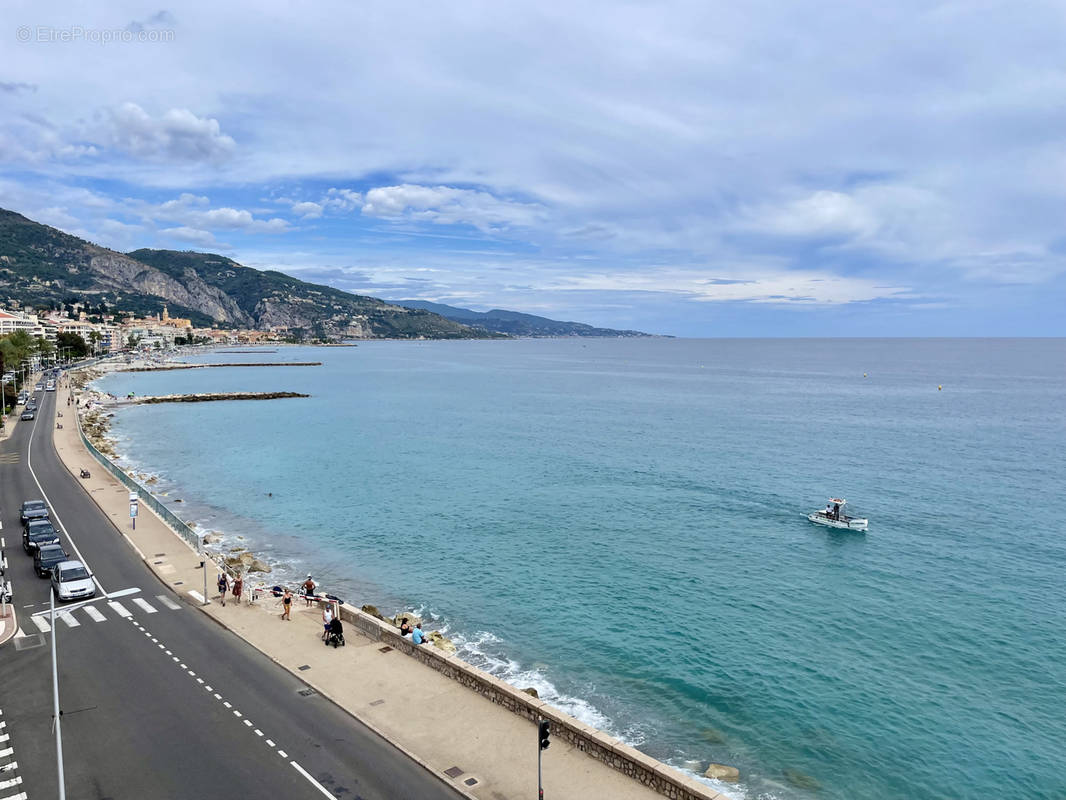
{"type": "Point", "coordinates": [454, 772]}
{"type": "Point", "coordinates": [470, 781]}
{"type": "Point", "coordinates": [28, 641]}
{"type": "Point", "coordinates": [306, 692]}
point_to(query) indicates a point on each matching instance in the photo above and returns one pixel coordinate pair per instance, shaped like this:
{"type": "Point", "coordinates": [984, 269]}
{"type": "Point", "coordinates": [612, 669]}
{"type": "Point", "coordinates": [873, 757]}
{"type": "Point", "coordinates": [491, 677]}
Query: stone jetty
{"type": "Point", "coordinates": [210, 397]}
{"type": "Point", "coordinates": [163, 367]}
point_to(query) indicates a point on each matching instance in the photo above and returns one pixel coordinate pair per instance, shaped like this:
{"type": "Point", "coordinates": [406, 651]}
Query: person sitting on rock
{"type": "Point", "coordinates": [405, 627]}
{"type": "Point", "coordinates": [417, 636]}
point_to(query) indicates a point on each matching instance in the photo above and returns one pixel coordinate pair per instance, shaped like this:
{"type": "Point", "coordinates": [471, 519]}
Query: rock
{"type": "Point", "coordinates": [412, 618]}
{"type": "Point", "coordinates": [210, 537]}
{"type": "Point", "coordinates": [372, 611]}
{"type": "Point", "coordinates": [258, 565]}
{"type": "Point", "coordinates": [441, 642]}
{"type": "Point", "coordinates": [802, 780]}
{"type": "Point", "coordinates": [712, 735]}
{"type": "Point", "coordinates": [723, 773]}
{"type": "Point", "coordinates": [532, 692]}
{"type": "Point", "coordinates": [233, 562]}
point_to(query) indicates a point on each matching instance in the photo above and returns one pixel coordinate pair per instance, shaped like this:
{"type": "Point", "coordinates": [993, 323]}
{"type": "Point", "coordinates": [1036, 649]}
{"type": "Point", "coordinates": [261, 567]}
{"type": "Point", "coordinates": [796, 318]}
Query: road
{"type": "Point", "coordinates": [157, 700]}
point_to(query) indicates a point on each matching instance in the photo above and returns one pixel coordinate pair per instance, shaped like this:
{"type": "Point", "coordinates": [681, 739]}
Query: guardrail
{"type": "Point", "coordinates": [145, 495]}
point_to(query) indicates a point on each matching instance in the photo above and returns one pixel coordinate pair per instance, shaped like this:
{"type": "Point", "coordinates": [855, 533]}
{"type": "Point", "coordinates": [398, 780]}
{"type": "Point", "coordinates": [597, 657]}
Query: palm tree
{"type": "Point", "coordinates": [94, 340]}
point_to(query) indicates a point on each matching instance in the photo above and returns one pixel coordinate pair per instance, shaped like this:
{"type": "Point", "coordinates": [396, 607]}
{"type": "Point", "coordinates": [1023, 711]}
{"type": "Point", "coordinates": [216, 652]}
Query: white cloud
{"type": "Point", "coordinates": [193, 235]}
{"type": "Point", "coordinates": [178, 135]}
{"type": "Point", "coordinates": [446, 205]}
{"type": "Point", "coordinates": [342, 200]}
{"type": "Point", "coordinates": [823, 213]}
{"type": "Point", "coordinates": [192, 212]}
{"type": "Point", "coordinates": [307, 210]}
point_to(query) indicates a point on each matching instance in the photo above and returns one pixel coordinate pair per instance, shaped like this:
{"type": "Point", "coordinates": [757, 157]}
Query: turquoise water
{"type": "Point", "coordinates": [620, 523]}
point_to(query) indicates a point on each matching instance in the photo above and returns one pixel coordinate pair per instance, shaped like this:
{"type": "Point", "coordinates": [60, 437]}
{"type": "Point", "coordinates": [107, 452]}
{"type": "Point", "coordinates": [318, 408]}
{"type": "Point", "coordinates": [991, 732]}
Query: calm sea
{"type": "Point", "coordinates": [620, 523]}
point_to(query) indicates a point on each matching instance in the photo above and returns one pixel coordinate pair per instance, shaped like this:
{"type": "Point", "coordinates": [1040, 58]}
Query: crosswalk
{"type": "Point", "coordinates": [95, 613]}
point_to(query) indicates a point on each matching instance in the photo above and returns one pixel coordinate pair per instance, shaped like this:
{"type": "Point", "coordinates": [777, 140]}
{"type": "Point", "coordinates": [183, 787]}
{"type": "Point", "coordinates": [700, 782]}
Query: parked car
{"type": "Point", "coordinates": [27, 415]}
{"type": "Point", "coordinates": [33, 509]}
{"type": "Point", "coordinates": [72, 580]}
{"type": "Point", "coordinates": [38, 533]}
{"type": "Point", "coordinates": [39, 387]}
{"type": "Point", "coordinates": [46, 557]}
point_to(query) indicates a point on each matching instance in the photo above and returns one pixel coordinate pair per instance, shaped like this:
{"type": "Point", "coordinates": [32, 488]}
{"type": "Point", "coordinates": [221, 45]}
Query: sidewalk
{"type": "Point", "coordinates": [481, 748]}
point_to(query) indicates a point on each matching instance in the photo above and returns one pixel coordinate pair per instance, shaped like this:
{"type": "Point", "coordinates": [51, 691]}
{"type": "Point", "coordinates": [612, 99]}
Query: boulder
{"type": "Point", "coordinates": [802, 780]}
{"type": "Point", "coordinates": [412, 618]}
{"type": "Point", "coordinates": [441, 642]}
{"type": "Point", "coordinates": [532, 692]}
{"type": "Point", "coordinates": [258, 565]}
{"type": "Point", "coordinates": [372, 611]}
{"type": "Point", "coordinates": [723, 773]}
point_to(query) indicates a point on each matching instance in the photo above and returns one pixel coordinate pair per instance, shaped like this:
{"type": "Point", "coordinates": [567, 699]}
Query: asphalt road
{"type": "Point", "coordinates": [162, 703]}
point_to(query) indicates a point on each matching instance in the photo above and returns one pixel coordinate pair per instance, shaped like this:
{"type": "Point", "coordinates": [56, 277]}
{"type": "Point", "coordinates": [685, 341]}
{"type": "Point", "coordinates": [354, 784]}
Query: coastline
{"type": "Point", "coordinates": [623, 759]}
{"type": "Point", "coordinates": [479, 647]}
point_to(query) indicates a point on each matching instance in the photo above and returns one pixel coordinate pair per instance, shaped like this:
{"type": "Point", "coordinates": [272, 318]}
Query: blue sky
{"type": "Point", "coordinates": [697, 169]}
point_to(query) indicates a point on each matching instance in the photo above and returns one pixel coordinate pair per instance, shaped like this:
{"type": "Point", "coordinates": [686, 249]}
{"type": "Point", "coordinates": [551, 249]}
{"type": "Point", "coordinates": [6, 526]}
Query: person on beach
{"type": "Point", "coordinates": [286, 605]}
{"type": "Point", "coordinates": [327, 620]}
{"type": "Point", "coordinates": [417, 636]}
{"type": "Point", "coordinates": [223, 586]}
{"type": "Point", "coordinates": [309, 590]}
{"type": "Point", "coordinates": [405, 627]}
{"type": "Point", "coordinates": [238, 587]}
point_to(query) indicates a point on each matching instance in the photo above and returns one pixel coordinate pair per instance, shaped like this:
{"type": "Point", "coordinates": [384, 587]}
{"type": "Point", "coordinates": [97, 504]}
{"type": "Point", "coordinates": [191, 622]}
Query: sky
{"type": "Point", "coordinates": [693, 169]}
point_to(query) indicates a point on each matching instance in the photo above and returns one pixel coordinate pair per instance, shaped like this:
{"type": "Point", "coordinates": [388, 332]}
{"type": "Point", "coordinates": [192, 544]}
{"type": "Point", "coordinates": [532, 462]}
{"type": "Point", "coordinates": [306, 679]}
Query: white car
{"type": "Point", "coordinates": [50, 386]}
{"type": "Point", "coordinates": [72, 580]}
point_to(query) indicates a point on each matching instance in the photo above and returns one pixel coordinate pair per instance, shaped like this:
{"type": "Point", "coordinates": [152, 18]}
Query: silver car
{"type": "Point", "coordinates": [72, 580]}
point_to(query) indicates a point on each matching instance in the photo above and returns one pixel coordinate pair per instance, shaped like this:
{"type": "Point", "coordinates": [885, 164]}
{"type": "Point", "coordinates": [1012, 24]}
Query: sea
{"type": "Point", "coordinates": [621, 524]}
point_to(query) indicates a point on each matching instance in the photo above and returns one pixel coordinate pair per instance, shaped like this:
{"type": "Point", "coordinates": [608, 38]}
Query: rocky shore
{"type": "Point", "coordinates": [173, 366]}
{"type": "Point", "coordinates": [212, 396]}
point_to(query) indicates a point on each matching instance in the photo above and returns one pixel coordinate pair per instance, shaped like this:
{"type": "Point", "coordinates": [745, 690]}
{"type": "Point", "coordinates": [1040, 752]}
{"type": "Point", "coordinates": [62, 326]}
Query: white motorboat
{"type": "Point", "coordinates": [834, 517]}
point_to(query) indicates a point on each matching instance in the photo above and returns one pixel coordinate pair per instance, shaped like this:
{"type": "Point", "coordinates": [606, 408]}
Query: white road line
{"type": "Point", "coordinates": [42, 624]}
{"type": "Point", "coordinates": [217, 695]}
{"type": "Point", "coordinates": [5, 737]}
{"type": "Point", "coordinates": [314, 783]}
{"type": "Point", "coordinates": [2, 725]}
{"type": "Point", "coordinates": [200, 680]}
{"type": "Point", "coordinates": [10, 783]}
{"type": "Point", "coordinates": [144, 604]}
{"type": "Point", "coordinates": [226, 703]}
{"type": "Point", "coordinates": [69, 619]}
{"type": "Point", "coordinates": [270, 743]}
{"type": "Point", "coordinates": [248, 722]}
{"type": "Point", "coordinates": [211, 690]}
{"type": "Point", "coordinates": [19, 796]}
{"type": "Point", "coordinates": [283, 754]}
{"type": "Point", "coordinates": [176, 659]}
{"type": "Point", "coordinates": [162, 598]}
{"type": "Point", "coordinates": [55, 514]}
{"type": "Point", "coordinates": [7, 751]}
{"type": "Point", "coordinates": [94, 615]}
{"type": "Point", "coordinates": [258, 732]}
{"type": "Point", "coordinates": [119, 609]}
{"type": "Point", "coordinates": [237, 713]}
{"type": "Point", "coordinates": [168, 652]}
{"type": "Point", "coordinates": [193, 675]}
{"type": "Point", "coordinates": [195, 595]}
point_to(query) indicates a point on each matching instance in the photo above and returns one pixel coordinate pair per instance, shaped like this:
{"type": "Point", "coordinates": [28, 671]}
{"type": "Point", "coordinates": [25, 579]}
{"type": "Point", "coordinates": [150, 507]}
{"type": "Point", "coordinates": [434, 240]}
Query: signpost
{"type": "Point", "coordinates": [134, 500]}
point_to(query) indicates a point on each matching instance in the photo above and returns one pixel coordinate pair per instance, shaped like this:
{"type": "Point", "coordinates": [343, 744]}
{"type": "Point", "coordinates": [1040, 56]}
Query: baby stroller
{"type": "Point", "coordinates": [336, 633]}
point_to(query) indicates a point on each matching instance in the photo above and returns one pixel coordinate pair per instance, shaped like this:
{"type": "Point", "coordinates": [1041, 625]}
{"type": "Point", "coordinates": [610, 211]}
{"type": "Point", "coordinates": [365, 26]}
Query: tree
{"type": "Point", "coordinates": [133, 341]}
{"type": "Point", "coordinates": [94, 340]}
{"type": "Point", "coordinates": [73, 342]}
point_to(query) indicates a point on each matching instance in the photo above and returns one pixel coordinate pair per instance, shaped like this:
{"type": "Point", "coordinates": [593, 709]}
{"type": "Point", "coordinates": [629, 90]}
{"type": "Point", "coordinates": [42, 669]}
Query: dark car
{"type": "Point", "coordinates": [26, 415]}
{"type": "Point", "coordinates": [46, 557]}
{"type": "Point", "coordinates": [33, 509]}
{"type": "Point", "coordinates": [37, 534]}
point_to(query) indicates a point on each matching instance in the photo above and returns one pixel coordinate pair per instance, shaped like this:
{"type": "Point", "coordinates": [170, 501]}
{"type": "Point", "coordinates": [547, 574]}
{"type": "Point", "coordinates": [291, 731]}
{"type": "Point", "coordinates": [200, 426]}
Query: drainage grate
{"type": "Point", "coordinates": [28, 641]}
{"type": "Point", "coordinates": [385, 649]}
{"type": "Point", "coordinates": [305, 666]}
{"type": "Point", "coordinates": [470, 781]}
{"type": "Point", "coordinates": [157, 562]}
{"type": "Point", "coordinates": [376, 702]}
{"type": "Point", "coordinates": [454, 772]}
{"type": "Point", "coordinates": [160, 555]}
{"type": "Point", "coordinates": [306, 692]}
{"type": "Point", "coordinates": [178, 583]}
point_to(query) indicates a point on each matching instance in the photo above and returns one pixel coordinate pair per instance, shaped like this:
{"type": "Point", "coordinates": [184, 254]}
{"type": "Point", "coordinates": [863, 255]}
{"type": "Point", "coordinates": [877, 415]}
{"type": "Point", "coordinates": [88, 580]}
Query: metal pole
{"type": "Point", "coordinates": [203, 566]}
{"type": "Point", "coordinates": [55, 700]}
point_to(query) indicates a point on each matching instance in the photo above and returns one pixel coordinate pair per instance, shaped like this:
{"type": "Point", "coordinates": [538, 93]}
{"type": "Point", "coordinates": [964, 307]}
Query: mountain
{"type": "Point", "coordinates": [514, 323]}
{"type": "Point", "coordinates": [41, 266]}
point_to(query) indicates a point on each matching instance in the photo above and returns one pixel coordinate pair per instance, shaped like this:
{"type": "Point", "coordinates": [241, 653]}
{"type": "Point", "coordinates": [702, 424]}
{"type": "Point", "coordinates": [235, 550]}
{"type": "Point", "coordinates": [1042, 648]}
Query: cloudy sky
{"type": "Point", "coordinates": [698, 169]}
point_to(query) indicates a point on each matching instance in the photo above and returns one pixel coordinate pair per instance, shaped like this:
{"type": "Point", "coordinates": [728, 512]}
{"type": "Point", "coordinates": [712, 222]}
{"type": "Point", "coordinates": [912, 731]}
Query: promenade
{"type": "Point", "coordinates": [480, 747]}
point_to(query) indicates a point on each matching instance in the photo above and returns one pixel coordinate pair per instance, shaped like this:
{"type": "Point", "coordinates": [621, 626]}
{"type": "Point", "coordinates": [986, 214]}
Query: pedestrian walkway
{"type": "Point", "coordinates": [96, 612]}
{"type": "Point", "coordinates": [480, 748]}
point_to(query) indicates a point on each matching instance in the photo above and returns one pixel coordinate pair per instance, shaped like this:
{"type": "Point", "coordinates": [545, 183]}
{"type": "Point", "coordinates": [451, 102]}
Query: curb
{"type": "Point", "coordinates": [9, 626]}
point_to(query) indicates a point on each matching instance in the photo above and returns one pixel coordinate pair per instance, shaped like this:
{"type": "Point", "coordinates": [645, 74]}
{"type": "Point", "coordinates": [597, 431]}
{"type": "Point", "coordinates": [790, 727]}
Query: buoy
{"type": "Point", "coordinates": [939, 388]}
{"type": "Point", "coordinates": [864, 374]}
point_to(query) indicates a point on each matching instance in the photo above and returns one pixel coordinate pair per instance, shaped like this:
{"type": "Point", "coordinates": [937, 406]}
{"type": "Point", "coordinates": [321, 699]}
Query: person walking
{"type": "Point", "coordinates": [223, 586]}
{"type": "Point", "coordinates": [286, 605]}
{"type": "Point", "coordinates": [238, 587]}
{"type": "Point", "coordinates": [309, 590]}
{"type": "Point", "coordinates": [327, 618]}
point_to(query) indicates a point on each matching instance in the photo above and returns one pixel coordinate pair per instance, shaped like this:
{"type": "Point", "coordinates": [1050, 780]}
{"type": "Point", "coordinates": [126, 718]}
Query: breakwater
{"type": "Point", "coordinates": [166, 367]}
{"type": "Point", "coordinates": [213, 396]}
